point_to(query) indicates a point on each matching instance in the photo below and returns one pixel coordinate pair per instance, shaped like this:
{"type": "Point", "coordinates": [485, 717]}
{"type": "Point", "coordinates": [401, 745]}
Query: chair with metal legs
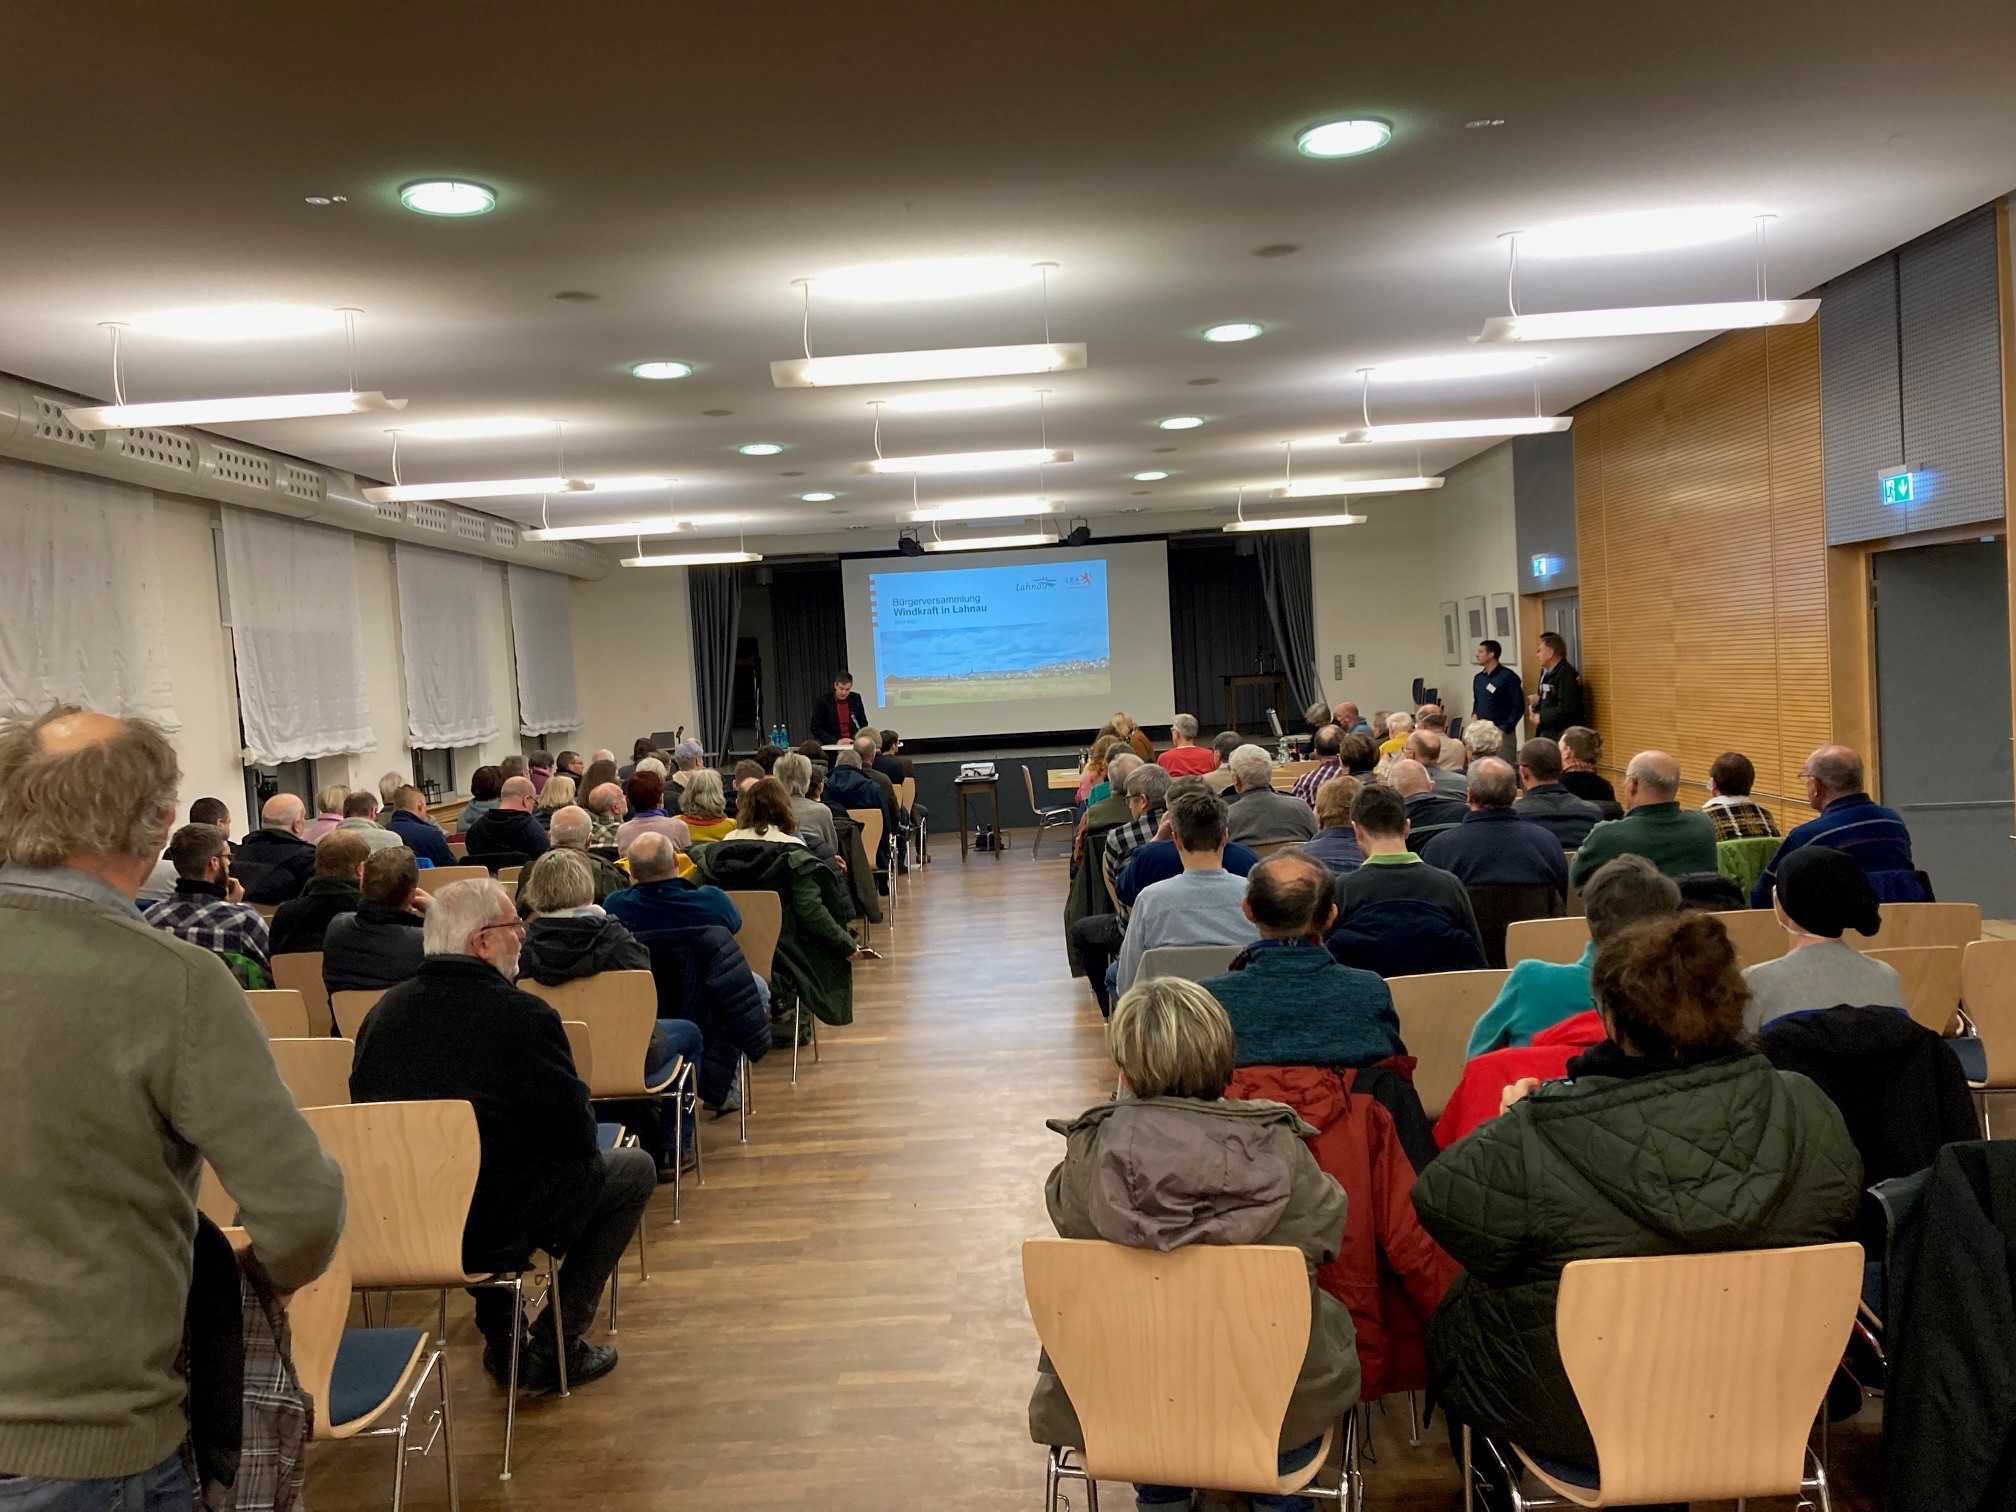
{"type": "Point", "coordinates": [608, 1136]}
{"type": "Point", "coordinates": [762, 926]}
{"type": "Point", "coordinates": [870, 823]}
{"type": "Point", "coordinates": [1061, 816]}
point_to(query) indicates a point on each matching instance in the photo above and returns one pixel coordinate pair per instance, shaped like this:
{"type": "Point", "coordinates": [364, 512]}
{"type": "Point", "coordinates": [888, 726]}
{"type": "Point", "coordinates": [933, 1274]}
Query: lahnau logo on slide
{"type": "Point", "coordinates": [1042, 582]}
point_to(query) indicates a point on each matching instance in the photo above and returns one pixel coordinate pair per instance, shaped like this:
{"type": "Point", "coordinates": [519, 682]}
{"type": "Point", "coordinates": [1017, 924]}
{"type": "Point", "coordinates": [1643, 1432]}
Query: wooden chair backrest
{"type": "Point", "coordinates": [581, 1046]}
{"type": "Point", "coordinates": [316, 1071]}
{"type": "Point", "coordinates": [409, 1171]}
{"type": "Point", "coordinates": [1437, 1012]}
{"type": "Point", "coordinates": [1561, 941]}
{"type": "Point", "coordinates": [280, 1012]}
{"type": "Point", "coordinates": [906, 794]}
{"type": "Point", "coordinates": [870, 821]}
{"type": "Point", "coordinates": [1988, 988]}
{"type": "Point", "coordinates": [620, 1009]}
{"type": "Point", "coordinates": [1701, 1375]}
{"type": "Point", "coordinates": [212, 1201]}
{"type": "Point", "coordinates": [1180, 1364]}
{"type": "Point", "coordinates": [266, 910]}
{"type": "Point", "coordinates": [1906, 924]}
{"type": "Point", "coordinates": [508, 875]}
{"type": "Point", "coordinates": [1756, 934]}
{"type": "Point", "coordinates": [353, 1007]}
{"type": "Point", "coordinates": [1931, 978]}
{"type": "Point", "coordinates": [316, 1317]}
{"type": "Point", "coordinates": [435, 878]}
{"type": "Point", "coordinates": [459, 849]}
{"type": "Point", "coordinates": [1192, 963]}
{"type": "Point", "coordinates": [1028, 782]}
{"type": "Point", "coordinates": [762, 925]}
{"type": "Point", "coordinates": [1265, 848]}
{"type": "Point", "coordinates": [301, 971]}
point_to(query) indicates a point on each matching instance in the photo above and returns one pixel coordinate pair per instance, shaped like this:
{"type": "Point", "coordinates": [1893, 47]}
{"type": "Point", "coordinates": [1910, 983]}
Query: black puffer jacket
{"type": "Point", "coordinates": [701, 975]}
{"type": "Point", "coordinates": [374, 948]}
{"type": "Point", "coordinates": [566, 947]}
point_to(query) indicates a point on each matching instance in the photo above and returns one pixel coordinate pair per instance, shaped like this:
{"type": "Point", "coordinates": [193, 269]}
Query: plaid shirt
{"type": "Point", "coordinates": [1121, 844]}
{"type": "Point", "coordinates": [1315, 777]}
{"type": "Point", "coordinates": [1740, 819]}
{"type": "Point", "coordinates": [199, 913]}
{"type": "Point", "coordinates": [602, 828]}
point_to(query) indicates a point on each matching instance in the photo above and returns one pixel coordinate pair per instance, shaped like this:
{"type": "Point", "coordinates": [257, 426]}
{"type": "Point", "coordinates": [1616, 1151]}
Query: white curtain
{"type": "Point", "coordinates": [80, 602]}
{"type": "Point", "coordinates": [542, 637]}
{"type": "Point", "coordinates": [442, 620]}
{"type": "Point", "coordinates": [298, 638]}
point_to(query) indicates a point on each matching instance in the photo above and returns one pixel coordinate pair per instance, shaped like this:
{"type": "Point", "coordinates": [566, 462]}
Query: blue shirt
{"type": "Point", "coordinates": [1337, 849]}
{"type": "Point", "coordinates": [672, 903]}
{"type": "Point", "coordinates": [1858, 826]}
{"type": "Point", "coordinates": [1496, 848]}
{"type": "Point", "coordinates": [1537, 995]}
{"type": "Point", "coordinates": [1157, 861]}
{"type": "Point", "coordinates": [423, 839]}
{"type": "Point", "coordinates": [1498, 697]}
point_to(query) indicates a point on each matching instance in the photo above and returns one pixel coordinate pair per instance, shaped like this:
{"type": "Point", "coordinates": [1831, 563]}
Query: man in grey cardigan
{"type": "Point", "coordinates": [127, 1059]}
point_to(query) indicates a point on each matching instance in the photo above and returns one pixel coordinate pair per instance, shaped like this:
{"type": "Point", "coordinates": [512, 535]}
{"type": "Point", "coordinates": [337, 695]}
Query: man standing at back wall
{"type": "Point", "coordinates": [1495, 693]}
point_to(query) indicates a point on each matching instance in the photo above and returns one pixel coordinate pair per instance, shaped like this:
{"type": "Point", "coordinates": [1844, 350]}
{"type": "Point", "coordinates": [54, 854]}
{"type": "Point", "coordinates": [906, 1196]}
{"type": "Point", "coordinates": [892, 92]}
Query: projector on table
{"type": "Point", "coordinates": [976, 771]}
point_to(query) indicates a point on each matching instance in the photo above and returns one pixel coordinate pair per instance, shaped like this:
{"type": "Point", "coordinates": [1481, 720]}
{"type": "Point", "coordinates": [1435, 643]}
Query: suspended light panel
{"type": "Point", "coordinates": [1294, 522]}
{"type": "Point", "coordinates": [926, 278]}
{"type": "Point", "coordinates": [1017, 507]}
{"type": "Point", "coordinates": [1455, 430]}
{"type": "Point", "coordinates": [1638, 231]}
{"type": "Point", "coordinates": [102, 417]}
{"type": "Point", "coordinates": [694, 559]}
{"type": "Point", "coordinates": [956, 462]}
{"type": "Point", "coordinates": [1457, 366]}
{"type": "Point", "coordinates": [958, 401]}
{"type": "Point", "coordinates": [1334, 488]}
{"type": "Point", "coordinates": [250, 322]}
{"type": "Point", "coordinates": [484, 428]}
{"type": "Point", "coordinates": [991, 543]}
{"type": "Point", "coordinates": [1649, 320]}
{"type": "Point", "coordinates": [925, 366]}
{"type": "Point", "coordinates": [618, 530]}
{"type": "Point", "coordinates": [486, 488]}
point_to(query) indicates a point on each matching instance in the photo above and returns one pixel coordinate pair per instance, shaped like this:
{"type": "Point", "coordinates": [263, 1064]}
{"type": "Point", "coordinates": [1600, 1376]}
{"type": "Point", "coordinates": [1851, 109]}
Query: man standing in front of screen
{"type": "Point", "coordinates": [1495, 694]}
{"type": "Point", "coordinates": [837, 720]}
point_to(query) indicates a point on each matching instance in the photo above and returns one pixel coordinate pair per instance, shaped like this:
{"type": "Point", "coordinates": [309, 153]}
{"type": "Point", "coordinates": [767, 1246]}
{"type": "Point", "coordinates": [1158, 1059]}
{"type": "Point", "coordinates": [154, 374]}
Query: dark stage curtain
{"type": "Point", "coordinates": [714, 606]}
{"type": "Point", "coordinates": [808, 629]}
{"type": "Point", "coordinates": [1286, 581]}
{"type": "Point", "coordinates": [1218, 627]}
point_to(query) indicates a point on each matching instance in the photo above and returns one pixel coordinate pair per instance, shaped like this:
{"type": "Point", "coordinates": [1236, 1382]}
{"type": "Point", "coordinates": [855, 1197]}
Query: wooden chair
{"type": "Point", "coordinates": [1700, 1375]}
{"type": "Point", "coordinates": [508, 875]}
{"type": "Point", "coordinates": [1988, 998]}
{"type": "Point", "coordinates": [353, 1007]}
{"type": "Point", "coordinates": [1057, 816]}
{"type": "Point", "coordinates": [762, 926]}
{"type": "Point", "coordinates": [316, 1071]}
{"type": "Point", "coordinates": [1192, 963]}
{"type": "Point", "coordinates": [1437, 1012]}
{"type": "Point", "coordinates": [459, 849]}
{"type": "Point", "coordinates": [1573, 906]}
{"type": "Point", "coordinates": [1931, 978]}
{"type": "Point", "coordinates": [212, 1201]}
{"type": "Point", "coordinates": [906, 794]}
{"type": "Point", "coordinates": [1498, 907]}
{"type": "Point", "coordinates": [266, 910]}
{"type": "Point", "coordinates": [870, 823]}
{"type": "Point", "coordinates": [608, 1136]}
{"type": "Point", "coordinates": [1180, 1365]}
{"type": "Point", "coordinates": [438, 877]}
{"type": "Point", "coordinates": [354, 1376]}
{"type": "Point", "coordinates": [1909, 924]}
{"type": "Point", "coordinates": [1560, 941]}
{"type": "Point", "coordinates": [281, 1013]}
{"type": "Point", "coordinates": [301, 971]}
{"type": "Point", "coordinates": [1265, 848]}
{"type": "Point", "coordinates": [409, 1172]}
{"type": "Point", "coordinates": [1756, 934]}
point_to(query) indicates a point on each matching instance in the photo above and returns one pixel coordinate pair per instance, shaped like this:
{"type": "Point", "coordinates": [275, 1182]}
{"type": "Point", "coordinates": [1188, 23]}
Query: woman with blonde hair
{"type": "Point", "coordinates": [557, 794]}
{"type": "Point", "coordinates": [328, 811]}
{"type": "Point", "coordinates": [1095, 765]}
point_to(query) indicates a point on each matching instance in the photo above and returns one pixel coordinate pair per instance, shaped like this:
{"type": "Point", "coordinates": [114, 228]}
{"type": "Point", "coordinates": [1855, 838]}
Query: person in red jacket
{"type": "Point", "coordinates": [1480, 1096]}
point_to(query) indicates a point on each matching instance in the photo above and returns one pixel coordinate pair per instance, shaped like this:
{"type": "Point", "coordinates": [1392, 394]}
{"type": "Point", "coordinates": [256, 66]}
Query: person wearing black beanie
{"type": "Point", "coordinates": [1820, 895]}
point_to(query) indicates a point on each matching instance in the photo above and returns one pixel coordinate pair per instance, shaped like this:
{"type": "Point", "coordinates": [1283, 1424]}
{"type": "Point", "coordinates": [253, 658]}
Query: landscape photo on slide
{"type": "Point", "coordinates": [980, 634]}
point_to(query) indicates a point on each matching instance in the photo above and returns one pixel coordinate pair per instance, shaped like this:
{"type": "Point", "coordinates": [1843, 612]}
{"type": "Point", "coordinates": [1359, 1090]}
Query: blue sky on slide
{"type": "Point", "coordinates": [971, 621]}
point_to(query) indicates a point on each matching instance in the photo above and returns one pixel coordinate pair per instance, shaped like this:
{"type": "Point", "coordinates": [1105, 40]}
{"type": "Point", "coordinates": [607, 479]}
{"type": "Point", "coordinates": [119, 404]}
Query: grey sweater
{"type": "Point", "coordinates": [1828, 975]}
{"type": "Point", "coordinates": [127, 1058]}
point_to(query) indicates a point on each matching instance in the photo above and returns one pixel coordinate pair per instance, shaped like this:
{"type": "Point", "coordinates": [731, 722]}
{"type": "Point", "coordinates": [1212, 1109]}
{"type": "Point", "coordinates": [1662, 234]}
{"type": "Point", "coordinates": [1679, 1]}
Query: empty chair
{"type": "Point", "coordinates": [1560, 941]}
{"type": "Point", "coordinates": [316, 1071]}
{"type": "Point", "coordinates": [1193, 963]}
{"type": "Point", "coordinates": [1988, 993]}
{"type": "Point", "coordinates": [352, 1008]}
{"type": "Point", "coordinates": [1907, 924]}
{"type": "Point", "coordinates": [301, 971]}
{"type": "Point", "coordinates": [433, 879]}
{"type": "Point", "coordinates": [1756, 934]}
{"type": "Point", "coordinates": [1437, 1012]}
{"type": "Point", "coordinates": [1930, 975]}
{"type": "Point", "coordinates": [870, 821]}
{"type": "Point", "coordinates": [1499, 906]}
{"type": "Point", "coordinates": [281, 1013]}
{"type": "Point", "coordinates": [1058, 816]}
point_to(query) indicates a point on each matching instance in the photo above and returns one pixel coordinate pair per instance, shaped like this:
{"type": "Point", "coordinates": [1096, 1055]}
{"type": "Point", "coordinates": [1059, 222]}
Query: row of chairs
{"type": "Point", "coordinates": [1757, 934]}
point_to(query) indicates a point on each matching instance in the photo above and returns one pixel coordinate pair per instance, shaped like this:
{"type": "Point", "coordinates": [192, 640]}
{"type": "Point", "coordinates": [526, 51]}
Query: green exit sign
{"type": "Point", "coordinates": [1899, 488]}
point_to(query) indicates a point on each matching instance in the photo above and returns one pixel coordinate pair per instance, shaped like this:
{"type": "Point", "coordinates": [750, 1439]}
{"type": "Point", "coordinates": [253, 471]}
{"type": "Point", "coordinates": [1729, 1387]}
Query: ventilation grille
{"type": "Point", "coordinates": [471, 527]}
{"type": "Point", "coordinates": [161, 448]}
{"type": "Point", "coordinates": [301, 483]}
{"type": "Point", "coordinates": [424, 515]}
{"type": "Point", "coordinates": [390, 512]}
{"type": "Point", "coordinates": [51, 426]}
{"type": "Point", "coordinates": [242, 467]}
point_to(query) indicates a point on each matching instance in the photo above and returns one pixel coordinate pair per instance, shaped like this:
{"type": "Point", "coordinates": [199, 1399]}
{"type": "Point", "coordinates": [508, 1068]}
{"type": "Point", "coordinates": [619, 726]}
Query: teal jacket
{"type": "Point", "coordinates": [1536, 995]}
{"type": "Point", "coordinates": [1678, 841]}
{"type": "Point", "coordinates": [1292, 1005]}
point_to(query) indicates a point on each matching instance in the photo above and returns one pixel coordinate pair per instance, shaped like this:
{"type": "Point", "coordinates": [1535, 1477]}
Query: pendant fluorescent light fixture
{"type": "Point", "coordinates": [959, 401]}
{"type": "Point", "coordinates": [1457, 366]}
{"type": "Point", "coordinates": [616, 530]}
{"type": "Point", "coordinates": [991, 543]}
{"type": "Point", "coordinates": [484, 488]}
{"type": "Point", "coordinates": [957, 462]}
{"type": "Point", "coordinates": [249, 322]}
{"type": "Point", "coordinates": [1454, 430]}
{"type": "Point", "coordinates": [1344, 488]}
{"type": "Point", "coordinates": [694, 559]}
{"type": "Point", "coordinates": [485, 428]}
{"type": "Point", "coordinates": [927, 366]}
{"type": "Point", "coordinates": [1640, 231]}
{"type": "Point", "coordinates": [1242, 525]}
{"type": "Point", "coordinates": [926, 278]}
{"type": "Point", "coordinates": [123, 416]}
{"type": "Point", "coordinates": [1012, 508]}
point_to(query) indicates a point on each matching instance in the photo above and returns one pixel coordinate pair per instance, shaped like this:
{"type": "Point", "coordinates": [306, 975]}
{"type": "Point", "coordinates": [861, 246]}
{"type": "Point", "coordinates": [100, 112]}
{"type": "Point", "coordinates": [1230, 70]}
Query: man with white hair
{"type": "Point", "coordinates": [1678, 841]}
{"type": "Point", "coordinates": [460, 1032]}
{"type": "Point", "coordinates": [1261, 816]}
{"type": "Point", "coordinates": [388, 789]}
{"type": "Point", "coordinates": [1398, 727]}
{"type": "Point", "coordinates": [273, 862]}
{"type": "Point", "coordinates": [573, 830]}
{"type": "Point", "coordinates": [1429, 813]}
{"type": "Point", "coordinates": [605, 754]}
{"type": "Point", "coordinates": [1186, 758]}
{"type": "Point", "coordinates": [508, 835]}
{"type": "Point", "coordinates": [128, 1060]}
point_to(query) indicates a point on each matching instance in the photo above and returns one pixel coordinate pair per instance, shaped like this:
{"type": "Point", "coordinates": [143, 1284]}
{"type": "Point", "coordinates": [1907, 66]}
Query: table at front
{"type": "Point", "coordinates": [991, 786]}
{"type": "Point", "coordinates": [1064, 779]}
{"type": "Point", "coordinates": [1272, 680]}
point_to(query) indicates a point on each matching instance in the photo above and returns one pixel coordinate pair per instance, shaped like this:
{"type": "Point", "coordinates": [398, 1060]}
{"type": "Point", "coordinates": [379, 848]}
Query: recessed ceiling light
{"type": "Point", "coordinates": [819, 498]}
{"type": "Point", "coordinates": [1640, 231]}
{"type": "Point", "coordinates": [926, 278]}
{"type": "Point", "coordinates": [1458, 365]}
{"type": "Point", "coordinates": [1649, 320]}
{"type": "Point", "coordinates": [1150, 477]}
{"type": "Point", "coordinates": [918, 367]}
{"type": "Point", "coordinates": [1237, 330]}
{"type": "Point", "coordinates": [328, 199]}
{"type": "Point", "coordinates": [950, 462]}
{"type": "Point", "coordinates": [1180, 422]}
{"type": "Point", "coordinates": [478, 430]}
{"type": "Point", "coordinates": [760, 449]}
{"type": "Point", "coordinates": [253, 322]}
{"type": "Point", "coordinates": [661, 369]}
{"type": "Point", "coordinates": [1335, 139]}
{"type": "Point", "coordinates": [953, 401]}
{"type": "Point", "coordinates": [448, 197]}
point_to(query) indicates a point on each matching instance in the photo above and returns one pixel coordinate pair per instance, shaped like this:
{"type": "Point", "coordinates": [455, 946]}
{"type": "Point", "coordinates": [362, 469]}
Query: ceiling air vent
{"type": "Point", "coordinates": [161, 448]}
{"type": "Point", "coordinates": [503, 533]}
{"type": "Point", "coordinates": [423, 515]}
{"type": "Point", "coordinates": [243, 467]}
{"type": "Point", "coordinates": [51, 426]}
{"type": "Point", "coordinates": [303, 483]}
{"type": "Point", "coordinates": [390, 512]}
{"type": "Point", "coordinates": [471, 527]}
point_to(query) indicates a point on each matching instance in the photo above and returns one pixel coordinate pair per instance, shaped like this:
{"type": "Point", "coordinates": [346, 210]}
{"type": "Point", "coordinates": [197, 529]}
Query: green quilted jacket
{"type": "Point", "coordinates": [1730, 1154]}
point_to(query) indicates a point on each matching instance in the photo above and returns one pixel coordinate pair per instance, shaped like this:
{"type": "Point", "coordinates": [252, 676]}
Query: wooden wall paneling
{"type": "Point", "coordinates": [2005, 260]}
{"type": "Point", "coordinates": [1799, 558]}
{"type": "Point", "coordinates": [1638, 495]}
{"type": "Point", "coordinates": [1593, 589]}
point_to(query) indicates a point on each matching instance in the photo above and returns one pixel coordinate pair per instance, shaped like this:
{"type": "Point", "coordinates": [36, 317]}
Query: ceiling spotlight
{"type": "Point", "coordinates": [1081, 532]}
{"type": "Point", "coordinates": [908, 544]}
{"type": "Point", "coordinates": [1459, 365]}
{"type": "Point", "coordinates": [926, 278]}
{"type": "Point", "coordinates": [448, 197]}
{"type": "Point", "coordinates": [478, 430]}
{"type": "Point", "coordinates": [918, 367]}
{"type": "Point", "coordinates": [1335, 139]}
{"type": "Point", "coordinates": [661, 369]}
{"type": "Point", "coordinates": [760, 449]}
{"type": "Point", "coordinates": [1180, 422]}
{"type": "Point", "coordinates": [955, 401]}
{"type": "Point", "coordinates": [252, 322]}
{"type": "Point", "coordinates": [819, 498]}
{"type": "Point", "coordinates": [980, 461]}
{"type": "Point", "coordinates": [1641, 231]}
{"type": "Point", "coordinates": [1238, 330]}
{"type": "Point", "coordinates": [1152, 476]}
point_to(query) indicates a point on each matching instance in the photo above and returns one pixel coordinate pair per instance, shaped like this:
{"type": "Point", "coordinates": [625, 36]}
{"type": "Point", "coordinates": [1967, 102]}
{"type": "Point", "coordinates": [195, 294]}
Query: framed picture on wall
{"type": "Point", "coordinates": [1452, 635]}
{"type": "Point", "coordinates": [1505, 626]}
{"type": "Point", "coordinates": [1474, 621]}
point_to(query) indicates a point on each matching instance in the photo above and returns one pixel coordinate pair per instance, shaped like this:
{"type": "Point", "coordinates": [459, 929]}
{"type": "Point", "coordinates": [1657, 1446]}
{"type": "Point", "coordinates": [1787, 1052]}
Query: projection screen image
{"type": "Point", "coordinates": [980, 634]}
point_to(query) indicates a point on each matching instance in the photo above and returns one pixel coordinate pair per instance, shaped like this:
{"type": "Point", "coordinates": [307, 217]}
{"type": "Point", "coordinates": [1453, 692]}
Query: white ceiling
{"type": "Point", "coordinates": [685, 163]}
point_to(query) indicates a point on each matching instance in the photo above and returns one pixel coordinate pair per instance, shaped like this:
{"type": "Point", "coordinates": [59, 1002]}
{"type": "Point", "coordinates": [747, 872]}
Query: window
{"type": "Point", "coordinates": [434, 773]}
{"type": "Point", "coordinates": [263, 782]}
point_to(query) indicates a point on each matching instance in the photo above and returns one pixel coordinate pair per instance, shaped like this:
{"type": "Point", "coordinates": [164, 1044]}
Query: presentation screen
{"type": "Point", "coordinates": [1001, 642]}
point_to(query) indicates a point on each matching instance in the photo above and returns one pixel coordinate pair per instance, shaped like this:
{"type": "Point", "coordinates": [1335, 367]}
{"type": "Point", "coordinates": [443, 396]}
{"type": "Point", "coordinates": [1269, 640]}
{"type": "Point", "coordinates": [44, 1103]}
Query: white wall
{"type": "Point", "coordinates": [633, 657]}
{"type": "Point", "coordinates": [1476, 555]}
{"type": "Point", "coordinates": [1370, 605]}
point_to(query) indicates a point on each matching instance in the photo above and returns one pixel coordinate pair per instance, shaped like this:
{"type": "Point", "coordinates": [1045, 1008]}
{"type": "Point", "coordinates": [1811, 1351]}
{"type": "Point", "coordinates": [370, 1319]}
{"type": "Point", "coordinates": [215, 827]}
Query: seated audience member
{"type": "Point", "coordinates": [460, 1031]}
{"type": "Point", "coordinates": [1289, 1003]}
{"type": "Point", "coordinates": [847, 786]}
{"type": "Point", "coordinates": [1737, 815]}
{"type": "Point", "coordinates": [512, 766]}
{"type": "Point", "coordinates": [1186, 758]}
{"type": "Point", "coordinates": [1131, 736]}
{"type": "Point", "coordinates": [1852, 822]}
{"type": "Point", "coordinates": [556, 795]}
{"type": "Point", "coordinates": [688, 757]}
{"type": "Point", "coordinates": [410, 823]}
{"type": "Point", "coordinates": [1425, 748]}
{"type": "Point", "coordinates": [1199, 907]}
{"type": "Point", "coordinates": [1480, 1092]}
{"type": "Point", "coordinates": [1314, 718]}
{"type": "Point", "coordinates": [300, 925]}
{"type": "Point", "coordinates": [1359, 753]}
{"type": "Point", "coordinates": [208, 907]}
{"type": "Point", "coordinates": [746, 772]}
{"type": "Point", "coordinates": [659, 898]}
{"type": "Point", "coordinates": [1147, 799]}
{"type": "Point", "coordinates": [1349, 720]}
{"type": "Point", "coordinates": [703, 806]}
{"type": "Point", "coordinates": [815, 821]}
{"type": "Point", "coordinates": [1493, 846]}
{"type": "Point", "coordinates": [161, 880]}
{"type": "Point", "coordinates": [1643, 1136]}
{"type": "Point", "coordinates": [1157, 861]}
{"type": "Point", "coordinates": [599, 772]}
{"type": "Point", "coordinates": [1173, 1162]}
{"type": "Point", "coordinates": [388, 789]}
{"type": "Point", "coordinates": [508, 835]}
{"type": "Point", "coordinates": [328, 811]}
{"type": "Point", "coordinates": [1654, 826]}
{"type": "Point", "coordinates": [763, 813]}
{"type": "Point", "coordinates": [657, 764]}
{"type": "Point", "coordinates": [1398, 727]}
{"type": "Point", "coordinates": [1391, 873]}
{"type": "Point", "coordinates": [883, 759]}
{"type": "Point", "coordinates": [1259, 815]}
{"type": "Point", "coordinates": [1580, 749]}
{"type": "Point", "coordinates": [1093, 783]}
{"type": "Point", "coordinates": [378, 945]}
{"type": "Point", "coordinates": [766, 757]}
{"type": "Point", "coordinates": [539, 771]}
{"type": "Point", "coordinates": [1219, 779]}
{"type": "Point", "coordinates": [360, 818]}
{"type": "Point", "coordinates": [1819, 896]}
{"type": "Point", "coordinates": [1329, 741]}
{"type": "Point", "coordinates": [574, 831]}
{"type": "Point", "coordinates": [1429, 813]}
{"type": "Point", "coordinates": [1450, 754]}
{"type": "Point", "coordinates": [567, 936]}
{"type": "Point", "coordinates": [485, 783]}
{"type": "Point", "coordinates": [1538, 994]}
{"type": "Point", "coordinates": [868, 745]}
{"type": "Point", "coordinates": [569, 764]}
{"type": "Point", "coordinates": [1110, 807]}
{"type": "Point", "coordinates": [1335, 845]}
{"type": "Point", "coordinates": [274, 862]}
{"type": "Point", "coordinates": [1481, 738]}
{"type": "Point", "coordinates": [640, 748]}
{"type": "Point", "coordinates": [646, 794]}
{"type": "Point", "coordinates": [607, 807]}
{"type": "Point", "coordinates": [1545, 802]}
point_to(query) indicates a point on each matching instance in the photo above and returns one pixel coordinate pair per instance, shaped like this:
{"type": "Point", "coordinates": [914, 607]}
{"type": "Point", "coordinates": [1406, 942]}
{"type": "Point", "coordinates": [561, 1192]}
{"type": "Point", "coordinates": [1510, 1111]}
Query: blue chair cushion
{"type": "Point", "coordinates": [608, 1135]}
{"type": "Point", "coordinates": [1973, 1057]}
{"type": "Point", "coordinates": [1579, 1476]}
{"type": "Point", "coordinates": [369, 1363]}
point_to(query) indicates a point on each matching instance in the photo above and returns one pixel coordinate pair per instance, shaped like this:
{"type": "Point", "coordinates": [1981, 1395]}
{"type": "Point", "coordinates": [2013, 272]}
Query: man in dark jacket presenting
{"type": "Point", "coordinates": [461, 1031]}
{"type": "Point", "coordinates": [1557, 702]}
{"type": "Point", "coordinates": [838, 719]}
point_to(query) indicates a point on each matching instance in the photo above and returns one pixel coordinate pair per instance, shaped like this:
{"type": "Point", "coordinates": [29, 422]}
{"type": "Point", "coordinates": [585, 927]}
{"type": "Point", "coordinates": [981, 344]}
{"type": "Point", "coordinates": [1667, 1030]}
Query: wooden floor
{"type": "Point", "coordinates": [839, 1323]}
